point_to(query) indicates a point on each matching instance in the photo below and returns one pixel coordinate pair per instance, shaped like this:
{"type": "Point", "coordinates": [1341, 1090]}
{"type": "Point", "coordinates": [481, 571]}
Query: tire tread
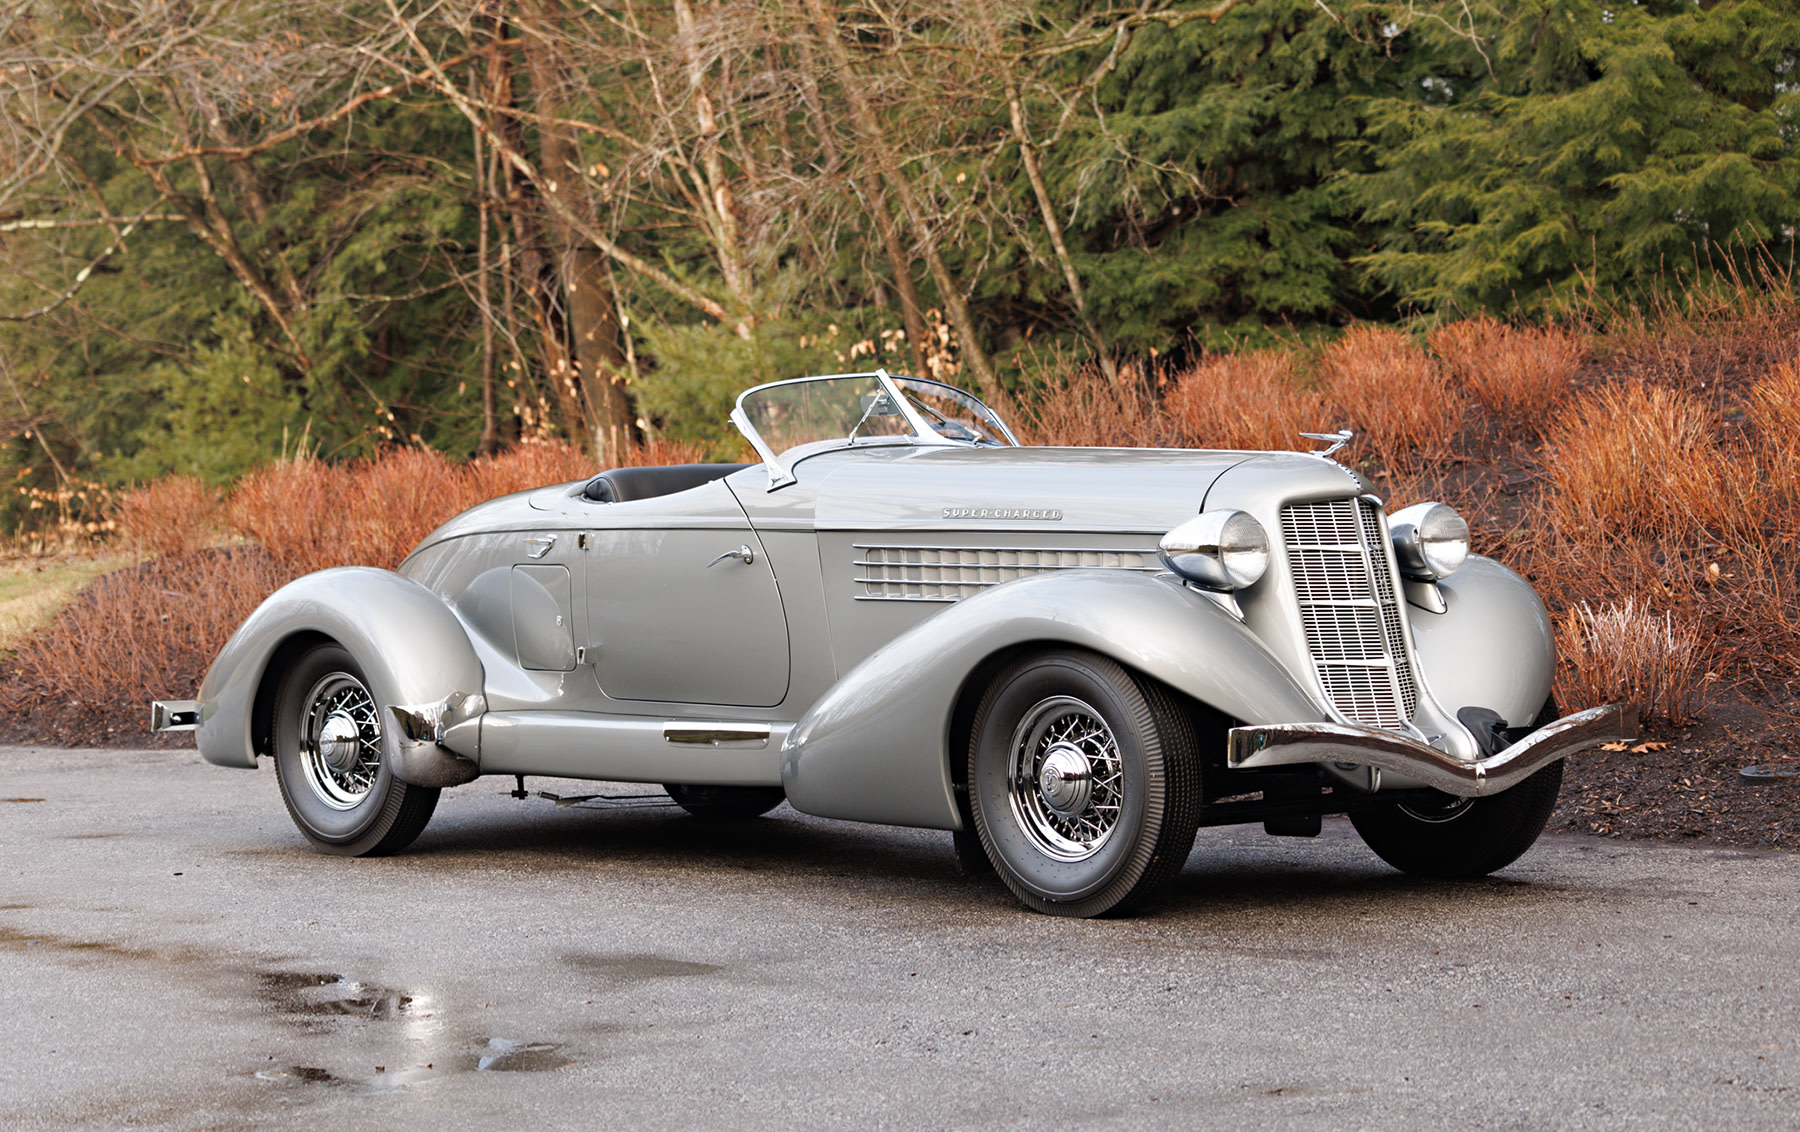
{"type": "Point", "coordinates": [1172, 797]}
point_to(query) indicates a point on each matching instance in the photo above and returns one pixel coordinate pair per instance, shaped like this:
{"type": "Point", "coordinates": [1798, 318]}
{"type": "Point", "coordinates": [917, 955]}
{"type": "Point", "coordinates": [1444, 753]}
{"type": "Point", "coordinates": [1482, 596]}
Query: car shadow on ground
{"type": "Point", "coordinates": [667, 837]}
{"type": "Point", "coordinates": [1231, 875]}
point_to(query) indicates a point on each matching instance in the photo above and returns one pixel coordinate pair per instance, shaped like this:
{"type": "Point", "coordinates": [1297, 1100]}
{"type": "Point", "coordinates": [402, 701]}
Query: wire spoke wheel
{"type": "Point", "coordinates": [1067, 781]}
{"type": "Point", "coordinates": [1083, 783]}
{"type": "Point", "coordinates": [341, 741]}
{"type": "Point", "coordinates": [331, 759]}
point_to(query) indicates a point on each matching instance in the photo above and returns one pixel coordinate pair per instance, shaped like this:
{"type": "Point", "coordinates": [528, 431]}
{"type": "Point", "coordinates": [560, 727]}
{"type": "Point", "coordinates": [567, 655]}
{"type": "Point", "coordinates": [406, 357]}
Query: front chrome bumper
{"type": "Point", "coordinates": [1288, 744]}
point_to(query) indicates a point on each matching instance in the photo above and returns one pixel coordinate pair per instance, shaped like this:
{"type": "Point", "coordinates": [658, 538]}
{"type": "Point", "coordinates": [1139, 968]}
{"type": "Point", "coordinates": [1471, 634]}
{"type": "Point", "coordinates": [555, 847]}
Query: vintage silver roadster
{"type": "Point", "coordinates": [1071, 657]}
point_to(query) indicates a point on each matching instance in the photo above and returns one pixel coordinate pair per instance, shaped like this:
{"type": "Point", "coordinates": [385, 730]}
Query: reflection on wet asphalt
{"type": "Point", "coordinates": [303, 995]}
{"type": "Point", "coordinates": [628, 968]}
{"type": "Point", "coordinates": [508, 1055]}
{"type": "Point", "coordinates": [171, 955]}
{"type": "Point", "coordinates": [320, 1003]}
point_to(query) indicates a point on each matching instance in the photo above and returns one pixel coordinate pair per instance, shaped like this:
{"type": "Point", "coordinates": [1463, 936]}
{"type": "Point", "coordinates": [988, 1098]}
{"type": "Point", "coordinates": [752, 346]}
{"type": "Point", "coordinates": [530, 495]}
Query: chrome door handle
{"type": "Point", "coordinates": [743, 553]}
{"type": "Point", "coordinates": [540, 546]}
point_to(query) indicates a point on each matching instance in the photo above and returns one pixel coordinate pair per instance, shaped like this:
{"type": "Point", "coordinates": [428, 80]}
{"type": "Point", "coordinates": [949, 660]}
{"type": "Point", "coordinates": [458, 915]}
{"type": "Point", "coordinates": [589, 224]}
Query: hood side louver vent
{"type": "Point", "coordinates": [951, 573]}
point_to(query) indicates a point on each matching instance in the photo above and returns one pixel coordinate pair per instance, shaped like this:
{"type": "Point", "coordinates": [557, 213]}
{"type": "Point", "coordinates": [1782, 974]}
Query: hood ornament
{"type": "Point", "coordinates": [1336, 440]}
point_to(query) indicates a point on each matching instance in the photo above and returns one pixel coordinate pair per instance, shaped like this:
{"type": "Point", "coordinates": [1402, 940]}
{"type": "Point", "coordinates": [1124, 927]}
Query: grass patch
{"type": "Point", "coordinates": [34, 590]}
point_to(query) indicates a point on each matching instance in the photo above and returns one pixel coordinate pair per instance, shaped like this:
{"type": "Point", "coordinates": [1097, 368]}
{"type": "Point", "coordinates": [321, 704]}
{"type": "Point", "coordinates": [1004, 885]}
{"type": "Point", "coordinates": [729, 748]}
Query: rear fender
{"type": "Point", "coordinates": [414, 652]}
{"type": "Point", "coordinates": [876, 746]}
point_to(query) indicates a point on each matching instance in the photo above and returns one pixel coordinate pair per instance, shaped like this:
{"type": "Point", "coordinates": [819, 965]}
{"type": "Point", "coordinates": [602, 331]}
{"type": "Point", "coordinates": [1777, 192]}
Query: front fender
{"type": "Point", "coordinates": [413, 651]}
{"type": "Point", "coordinates": [875, 746]}
{"type": "Point", "coordinates": [1492, 647]}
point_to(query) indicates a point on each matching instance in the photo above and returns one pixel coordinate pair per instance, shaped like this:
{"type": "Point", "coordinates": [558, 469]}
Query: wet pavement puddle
{"type": "Point", "coordinates": [632, 968]}
{"type": "Point", "coordinates": [324, 1003]}
{"type": "Point", "coordinates": [506, 1055]}
{"type": "Point", "coordinates": [307, 995]}
{"type": "Point", "coordinates": [301, 1073]}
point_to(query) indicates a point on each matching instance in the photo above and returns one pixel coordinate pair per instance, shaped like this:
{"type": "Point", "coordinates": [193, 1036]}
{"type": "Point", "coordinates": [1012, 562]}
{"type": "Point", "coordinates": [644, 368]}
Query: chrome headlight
{"type": "Point", "coordinates": [1221, 550]}
{"type": "Point", "coordinates": [1430, 540]}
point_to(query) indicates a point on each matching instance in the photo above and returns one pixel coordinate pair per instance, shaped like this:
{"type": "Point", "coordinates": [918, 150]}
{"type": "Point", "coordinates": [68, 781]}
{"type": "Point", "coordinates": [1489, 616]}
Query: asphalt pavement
{"type": "Point", "coordinates": [173, 955]}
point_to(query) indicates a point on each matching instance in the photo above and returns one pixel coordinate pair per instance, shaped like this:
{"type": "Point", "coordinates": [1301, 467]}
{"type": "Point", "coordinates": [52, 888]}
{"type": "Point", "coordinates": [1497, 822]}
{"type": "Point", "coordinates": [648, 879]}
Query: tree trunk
{"type": "Point", "coordinates": [484, 207]}
{"type": "Point", "coordinates": [910, 313]}
{"type": "Point", "coordinates": [592, 316]}
{"type": "Point", "coordinates": [1028, 156]}
{"type": "Point", "coordinates": [863, 118]}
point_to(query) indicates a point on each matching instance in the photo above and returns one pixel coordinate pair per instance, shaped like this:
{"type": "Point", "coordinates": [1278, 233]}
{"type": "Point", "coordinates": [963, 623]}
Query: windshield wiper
{"type": "Point", "coordinates": [875, 402]}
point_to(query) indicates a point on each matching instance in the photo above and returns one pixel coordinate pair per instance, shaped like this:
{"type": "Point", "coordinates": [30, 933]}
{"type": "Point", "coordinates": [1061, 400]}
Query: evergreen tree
{"type": "Point", "coordinates": [1623, 146]}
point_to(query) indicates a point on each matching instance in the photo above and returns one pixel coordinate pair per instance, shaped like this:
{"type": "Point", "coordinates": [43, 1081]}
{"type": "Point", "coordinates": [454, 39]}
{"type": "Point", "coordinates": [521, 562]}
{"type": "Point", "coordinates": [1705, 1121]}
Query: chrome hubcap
{"type": "Point", "coordinates": [1066, 783]}
{"type": "Point", "coordinates": [1066, 780]}
{"type": "Point", "coordinates": [340, 741]}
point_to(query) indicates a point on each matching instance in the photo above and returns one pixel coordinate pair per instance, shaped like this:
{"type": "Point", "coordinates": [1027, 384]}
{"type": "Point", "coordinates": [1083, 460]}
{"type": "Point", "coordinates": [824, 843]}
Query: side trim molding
{"type": "Point", "coordinates": [753, 736]}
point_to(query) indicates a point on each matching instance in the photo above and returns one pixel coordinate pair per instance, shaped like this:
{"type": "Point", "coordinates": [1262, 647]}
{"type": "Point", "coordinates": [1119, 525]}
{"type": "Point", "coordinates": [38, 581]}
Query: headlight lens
{"type": "Point", "coordinates": [1430, 540]}
{"type": "Point", "coordinates": [1221, 550]}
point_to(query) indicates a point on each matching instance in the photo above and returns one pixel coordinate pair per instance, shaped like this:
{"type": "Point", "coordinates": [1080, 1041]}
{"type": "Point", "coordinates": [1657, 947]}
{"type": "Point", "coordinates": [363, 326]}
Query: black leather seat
{"type": "Point", "coordinates": [622, 485]}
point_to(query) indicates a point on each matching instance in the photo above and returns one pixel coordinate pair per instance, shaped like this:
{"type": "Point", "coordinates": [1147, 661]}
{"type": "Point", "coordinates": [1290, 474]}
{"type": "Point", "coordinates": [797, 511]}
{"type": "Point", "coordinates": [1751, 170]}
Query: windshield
{"type": "Point", "coordinates": [779, 417]}
{"type": "Point", "coordinates": [953, 414]}
{"type": "Point", "coordinates": [790, 414]}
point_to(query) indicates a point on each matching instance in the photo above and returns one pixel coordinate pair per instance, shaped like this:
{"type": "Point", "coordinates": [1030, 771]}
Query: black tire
{"type": "Point", "coordinates": [726, 803]}
{"type": "Point", "coordinates": [1060, 715]}
{"type": "Point", "coordinates": [346, 802]}
{"type": "Point", "coordinates": [1456, 839]}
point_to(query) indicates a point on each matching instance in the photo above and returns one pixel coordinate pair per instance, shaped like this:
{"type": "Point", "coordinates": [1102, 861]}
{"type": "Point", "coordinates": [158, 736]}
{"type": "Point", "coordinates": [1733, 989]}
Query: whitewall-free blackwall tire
{"type": "Point", "coordinates": [331, 758]}
{"type": "Point", "coordinates": [1083, 783]}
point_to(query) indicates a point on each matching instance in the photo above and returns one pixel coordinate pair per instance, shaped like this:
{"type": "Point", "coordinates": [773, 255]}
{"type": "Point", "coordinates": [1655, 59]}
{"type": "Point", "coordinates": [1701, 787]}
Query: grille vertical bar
{"type": "Point", "coordinates": [1349, 610]}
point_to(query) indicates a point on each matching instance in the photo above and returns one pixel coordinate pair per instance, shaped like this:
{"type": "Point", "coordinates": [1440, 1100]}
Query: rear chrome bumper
{"type": "Point", "coordinates": [174, 715]}
{"type": "Point", "coordinates": [1288, 744]}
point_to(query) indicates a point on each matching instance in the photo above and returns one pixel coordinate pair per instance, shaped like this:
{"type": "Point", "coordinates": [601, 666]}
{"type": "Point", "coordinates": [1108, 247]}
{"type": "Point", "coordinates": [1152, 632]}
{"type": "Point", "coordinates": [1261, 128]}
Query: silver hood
{"type": "Point", "coordinates": [1018, 489]}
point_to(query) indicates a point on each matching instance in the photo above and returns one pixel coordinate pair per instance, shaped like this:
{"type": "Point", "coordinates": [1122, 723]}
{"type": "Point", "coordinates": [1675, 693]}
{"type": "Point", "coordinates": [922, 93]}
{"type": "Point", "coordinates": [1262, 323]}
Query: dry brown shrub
{"type": "Point", "coordinates": [170, 515]}
{"type": "Point", "coordinates": [1754, 596]}
{"type": "Point", "coordinates": [658, 452]}
{"type": "Point", "coordinates": [1078, 406]}
{"type": "Point", "coordinates": [310, 515]}
{"type": "Point", "coordinates": [298, 510]}
{"type": "Point", "coordinates": [1519, 374]}
{"type": "Point", "coordinates": [1390, 392]}
{"type": "Point", "coordinates": [1635, 459]}
{"type": "Point", "coordinates": [1252, 401]}
{"type": "Point", "coordinates": [144, 632]}
{"type": "Point", "coordinates": [1700, 338]}
{"type": "Point", "coordinates": [526, 465]}
{"type": "Point", "coordinates": [1773, 406]}
{"type": "Point", "coordinates": [397, 498]}
{"type": "Point", "coordinates": [1627, 654]}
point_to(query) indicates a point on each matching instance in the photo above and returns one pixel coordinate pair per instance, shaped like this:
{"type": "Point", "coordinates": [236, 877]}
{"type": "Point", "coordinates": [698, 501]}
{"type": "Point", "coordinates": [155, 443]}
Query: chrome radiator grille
{"type": "Point", "coordinates": [1349, 610]}
{"type": "Point", "coordinates": [950, 573]}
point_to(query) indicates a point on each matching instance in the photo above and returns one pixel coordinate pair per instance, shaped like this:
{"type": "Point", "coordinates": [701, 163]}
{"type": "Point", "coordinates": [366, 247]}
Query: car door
{"type": "Point", "coordinates": [682, 604]}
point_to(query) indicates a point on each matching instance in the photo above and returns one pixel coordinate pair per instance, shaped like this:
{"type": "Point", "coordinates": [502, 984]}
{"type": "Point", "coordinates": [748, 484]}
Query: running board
{"type": "Point", "coordinates": [1290, 744]}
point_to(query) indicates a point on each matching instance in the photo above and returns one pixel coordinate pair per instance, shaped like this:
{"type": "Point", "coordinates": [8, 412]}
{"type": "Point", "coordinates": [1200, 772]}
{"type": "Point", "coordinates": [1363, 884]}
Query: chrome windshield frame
{"type": "Point", "coordinates": [781, 474]}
